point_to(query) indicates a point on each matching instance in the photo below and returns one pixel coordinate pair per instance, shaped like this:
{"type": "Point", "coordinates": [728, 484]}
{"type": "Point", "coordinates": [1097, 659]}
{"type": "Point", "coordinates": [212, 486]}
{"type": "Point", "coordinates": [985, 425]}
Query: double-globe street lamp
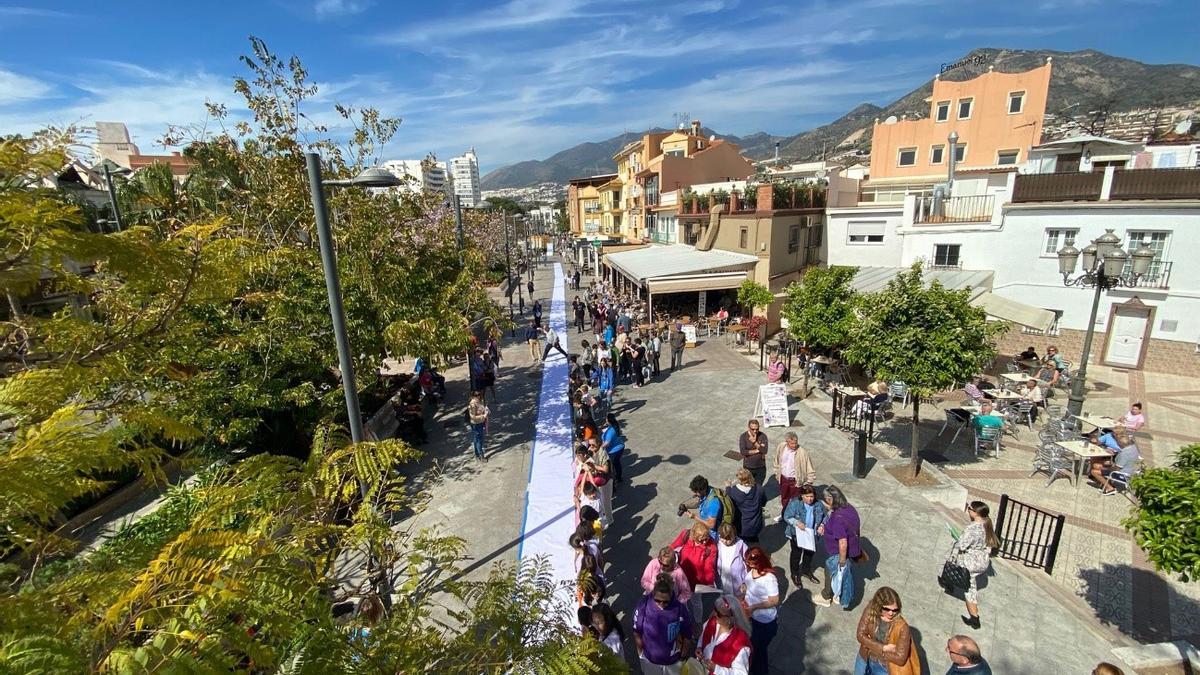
{"type": "Point", "coordinates": [1103, 269]}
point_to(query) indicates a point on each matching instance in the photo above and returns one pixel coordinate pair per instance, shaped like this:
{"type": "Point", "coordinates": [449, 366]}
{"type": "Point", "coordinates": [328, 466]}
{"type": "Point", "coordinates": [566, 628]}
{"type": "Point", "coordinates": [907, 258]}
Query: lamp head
{"type": "Point", "coordinates": [1090, 254]}
{"type": "Point", "coordinates": [953, 137]}
{"type": "Point", "coordinates": [1067, 257]}
{"type": "Point", "coordinates": [1107, 243]}
{"type": "Point", "coordinates": [1142, 257]}
{"type": "Point", "coordinates": [376, 177]}
{"type": "Point", "coordinates": [1114, 263]}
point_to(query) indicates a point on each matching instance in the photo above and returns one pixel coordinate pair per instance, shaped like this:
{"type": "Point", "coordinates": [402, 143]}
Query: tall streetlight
{"type": "Point", "coordinates": [371, 178]}
{"type": "Point", "coordinates": [1103, 269]}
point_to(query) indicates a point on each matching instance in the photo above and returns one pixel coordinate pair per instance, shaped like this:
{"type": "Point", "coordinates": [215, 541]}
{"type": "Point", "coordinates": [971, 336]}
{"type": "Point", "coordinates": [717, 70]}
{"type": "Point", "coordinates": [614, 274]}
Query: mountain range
{"type": "Point", "coordinates": [1084, 85]}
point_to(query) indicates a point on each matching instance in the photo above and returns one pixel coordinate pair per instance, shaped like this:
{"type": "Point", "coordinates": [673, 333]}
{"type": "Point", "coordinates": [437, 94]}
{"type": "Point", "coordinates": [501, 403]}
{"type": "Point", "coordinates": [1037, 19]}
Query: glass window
{"type": "Point", "coordinates": [794, 239]}
{"type": "Point", "coordinates": [946, 255]}
{"type": "Point", "coordinates": [1058, 239]}
{"type": "Point", "coordinates": [964, 108]}
{"type": "Point", "coordinates": [1007, 157]}
{"type": "Point", "coordinates": [941, 111]}
{"type": "Point", "coordinates": [937, 154]}
{"type": "Point", "coordinates": [960, 152]}
{"type": "Point", "coordinates": [1157, 241]}
{"type": "Point", "coordinates": [908, 157]}
{"type": "Point", "coordinates": [865, 232]}
{"type": "Point", "coordinates": [1016, 102]}
{"type": "Point", "coordinates": [743, 238]}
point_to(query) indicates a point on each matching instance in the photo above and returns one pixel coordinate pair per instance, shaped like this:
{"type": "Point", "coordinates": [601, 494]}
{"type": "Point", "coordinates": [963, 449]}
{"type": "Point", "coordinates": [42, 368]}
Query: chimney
{"type": "Point", "coordinates": [695, 127]}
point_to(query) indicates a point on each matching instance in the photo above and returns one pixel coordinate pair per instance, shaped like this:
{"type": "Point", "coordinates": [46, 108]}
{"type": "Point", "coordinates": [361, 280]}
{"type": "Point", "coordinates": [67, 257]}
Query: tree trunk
{"type": "Point", "coordinates": [916, 436]}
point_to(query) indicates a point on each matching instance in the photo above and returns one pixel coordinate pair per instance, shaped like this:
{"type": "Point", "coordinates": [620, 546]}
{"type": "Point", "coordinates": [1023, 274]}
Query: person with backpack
{"type": "Point", "coordinates": [709, 507]}
{"type": "Point", "coordinates": [698, 558]}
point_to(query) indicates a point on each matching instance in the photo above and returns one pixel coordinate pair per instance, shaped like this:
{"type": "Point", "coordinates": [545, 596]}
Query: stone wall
{"type": "Point", "coordinates": [1164, 356]}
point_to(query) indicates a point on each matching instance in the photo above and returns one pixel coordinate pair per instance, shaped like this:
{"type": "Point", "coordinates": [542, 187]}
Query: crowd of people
{"type": "Point", "coordinates": [710, 596]}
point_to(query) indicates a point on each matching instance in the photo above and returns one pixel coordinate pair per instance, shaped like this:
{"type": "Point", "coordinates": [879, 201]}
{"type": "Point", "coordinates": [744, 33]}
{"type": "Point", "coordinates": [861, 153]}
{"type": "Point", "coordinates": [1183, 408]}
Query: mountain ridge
{"type": "Point", "coordinates": [1085, 86]}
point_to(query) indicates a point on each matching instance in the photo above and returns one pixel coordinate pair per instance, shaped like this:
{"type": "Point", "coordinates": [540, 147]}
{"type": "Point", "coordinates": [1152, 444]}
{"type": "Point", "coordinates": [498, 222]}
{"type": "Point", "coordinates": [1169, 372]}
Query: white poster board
{"type": "Point", "coordinates": [689, 335]}
{"type": "Point", "coordinates": [772, 406]}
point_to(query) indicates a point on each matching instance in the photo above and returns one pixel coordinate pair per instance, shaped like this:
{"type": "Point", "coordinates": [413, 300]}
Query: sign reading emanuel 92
{"type": "Point", "coordinates": [977, 60]}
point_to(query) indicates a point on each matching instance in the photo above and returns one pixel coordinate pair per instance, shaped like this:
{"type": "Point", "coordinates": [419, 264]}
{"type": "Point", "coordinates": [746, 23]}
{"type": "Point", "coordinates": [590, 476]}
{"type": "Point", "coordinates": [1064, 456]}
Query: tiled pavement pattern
{"type": "Point", "coordinates": [1097, 561]}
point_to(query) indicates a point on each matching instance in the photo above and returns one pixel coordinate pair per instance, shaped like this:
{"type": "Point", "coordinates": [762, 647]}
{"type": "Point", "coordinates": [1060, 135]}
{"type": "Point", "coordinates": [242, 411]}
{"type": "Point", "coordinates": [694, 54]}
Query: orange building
{"type": "Point", "coordinates": [997, 116]}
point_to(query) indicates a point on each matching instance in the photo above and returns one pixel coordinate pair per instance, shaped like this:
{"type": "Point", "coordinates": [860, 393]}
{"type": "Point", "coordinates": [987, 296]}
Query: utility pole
{"type": "Point", "coordinates": [458, 221]}
{"type": "Point", "coordinates": [112, 198]}
{"type": "Point", "coordinates": [508, 271]}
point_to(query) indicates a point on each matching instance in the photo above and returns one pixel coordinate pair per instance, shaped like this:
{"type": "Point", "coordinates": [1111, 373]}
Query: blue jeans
{"type": "Point", "coordinates": [846, 592]}
{"type": "Point", "coordinates": [867, 667]}
{"type": "Point", "coordinates": [761, 635]}
{"type": "Point", "coordinates": [477, 434]}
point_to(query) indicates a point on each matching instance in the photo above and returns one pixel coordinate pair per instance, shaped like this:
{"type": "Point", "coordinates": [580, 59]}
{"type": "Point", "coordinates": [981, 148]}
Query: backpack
{"type": "Point", "coordinates": [728, 510]}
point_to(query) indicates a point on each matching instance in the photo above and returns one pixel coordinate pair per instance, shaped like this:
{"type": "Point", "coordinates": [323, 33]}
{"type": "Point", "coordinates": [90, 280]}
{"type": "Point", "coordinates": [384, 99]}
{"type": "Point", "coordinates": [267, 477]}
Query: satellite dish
{"type": "Point", "coordinates": [890, 120]}
{"type": "Point", "coordinates": [1183, 127]}
{"type": "Point", "coordinates": [713, 137]}
{"type": "Point", "coordinates": [821, 173]}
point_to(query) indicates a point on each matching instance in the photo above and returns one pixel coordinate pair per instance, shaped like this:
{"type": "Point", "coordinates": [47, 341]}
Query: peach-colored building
{"type": "Point", "coordinates": [997, 116]}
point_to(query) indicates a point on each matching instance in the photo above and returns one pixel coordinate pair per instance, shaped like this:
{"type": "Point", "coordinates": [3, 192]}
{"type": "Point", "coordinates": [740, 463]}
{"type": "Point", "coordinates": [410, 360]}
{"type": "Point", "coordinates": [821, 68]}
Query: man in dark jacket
{"type": "Point", "coordinates": [580, 309]}
{"type": "Point", "coordinates": [677, 343]}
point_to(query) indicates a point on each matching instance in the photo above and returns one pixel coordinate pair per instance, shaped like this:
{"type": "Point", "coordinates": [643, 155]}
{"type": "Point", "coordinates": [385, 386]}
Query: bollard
{"type": "Point", "coordinates": [860, 454]}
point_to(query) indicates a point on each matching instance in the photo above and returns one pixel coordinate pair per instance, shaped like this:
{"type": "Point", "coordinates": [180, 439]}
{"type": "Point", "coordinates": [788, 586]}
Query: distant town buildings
{"type": "Point", "coordinates": [114, 144]}
{"type": "Point", "coordinates": [421, 175]}
{"type": "Point", "coordinates": [464, 174]}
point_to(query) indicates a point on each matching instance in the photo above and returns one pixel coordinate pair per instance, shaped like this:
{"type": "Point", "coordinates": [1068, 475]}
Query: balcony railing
{"type": "Point", "coordinates": [1159, 275]}
{"type": "Point", "coordinates": [1058, 187]}
{"type": "Point", "coordinates": [1156, 184]}
{"type": "Point", "coordinates": [968, 209]}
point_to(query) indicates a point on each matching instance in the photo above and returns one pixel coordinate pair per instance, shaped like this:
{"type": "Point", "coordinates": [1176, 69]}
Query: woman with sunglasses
{"type": "Point", "coordinates": [885, 642]}
{"type": "Point", "coordinates": [760, 597]}
{"type": "Point", "coordinates": [724, 646]}
{"type": "Point", "coordinates": [973, 551]}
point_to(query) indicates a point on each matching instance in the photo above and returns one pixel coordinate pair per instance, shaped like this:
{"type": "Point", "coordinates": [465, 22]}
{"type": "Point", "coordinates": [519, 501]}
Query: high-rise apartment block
{"type": "Point", "coordinates": [420, 175]}
{"type": "Point", "coordinates": [464, 171]}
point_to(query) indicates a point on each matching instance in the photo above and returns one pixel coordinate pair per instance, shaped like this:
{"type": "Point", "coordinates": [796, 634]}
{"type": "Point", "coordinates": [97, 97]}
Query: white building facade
{"type": "Point", "coordinates": [464, 174]}
{"type": "Point", "coordinates": [420, 175]}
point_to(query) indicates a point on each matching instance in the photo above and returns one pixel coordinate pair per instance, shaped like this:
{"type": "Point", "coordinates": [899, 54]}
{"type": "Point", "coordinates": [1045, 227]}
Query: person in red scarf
{"type": "Point", "coordinates": [698, 558]}
{"type": "Point", "coordinates": [724, 647]}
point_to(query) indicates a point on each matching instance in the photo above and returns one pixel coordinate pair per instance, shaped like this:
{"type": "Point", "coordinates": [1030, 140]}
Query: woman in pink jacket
{"type": "Point", "coordinates": [667, 564]}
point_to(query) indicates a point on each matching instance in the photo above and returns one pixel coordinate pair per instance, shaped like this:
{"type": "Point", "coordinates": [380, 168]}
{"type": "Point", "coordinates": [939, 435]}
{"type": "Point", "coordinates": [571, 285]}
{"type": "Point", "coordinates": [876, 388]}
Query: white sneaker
{"type": "Point", "coordinates": [818, 599]}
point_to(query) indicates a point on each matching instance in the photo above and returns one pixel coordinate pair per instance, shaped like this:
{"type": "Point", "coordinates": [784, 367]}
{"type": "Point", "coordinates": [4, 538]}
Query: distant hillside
{"type": "Point", "coordinates": [1084, 85]}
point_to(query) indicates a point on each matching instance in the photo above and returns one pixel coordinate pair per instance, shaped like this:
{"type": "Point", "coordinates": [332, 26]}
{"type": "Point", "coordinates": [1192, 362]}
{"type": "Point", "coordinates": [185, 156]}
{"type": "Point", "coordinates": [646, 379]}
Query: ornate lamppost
{"type": "Point", "coordinates": [1103, 269]}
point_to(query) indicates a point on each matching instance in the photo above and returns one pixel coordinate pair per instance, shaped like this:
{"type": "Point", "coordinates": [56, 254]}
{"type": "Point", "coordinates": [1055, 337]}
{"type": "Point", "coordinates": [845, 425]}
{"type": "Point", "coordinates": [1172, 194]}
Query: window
{"type": "Point", "coordinates": [907, 157]}
{"type": "Point", "coordinates": [743, 238]}
{"type": "Point", "coordinates": [1058, 239]}
{"type": "Point", "coordinates": [1007, 157]}
{"type": "Point", "coordinates": [814, 235]}
{"type": "Point", "coordinates": [674, 153]}
{"type": "Point", "coordinates": [964, 108]}
{"type": "Point", "coordinates": [794, 239]}
{"type": "Point", "coordinates": [941, 111]}
{"type": "Point", "coordinates": [1052, 331]}
{"type": "Point", "coordinates": [1016, 102]}
{"type": "Point", "coordinates": [946, 255]}
{"type": "Point", "coordinates": [864, 232]}
{"type": "Point", "coordinates": [960, 152]}
{"type": "Point", "coordinates": [1157, 241]}
{"type": "Point", "coordinates": [937, 154]}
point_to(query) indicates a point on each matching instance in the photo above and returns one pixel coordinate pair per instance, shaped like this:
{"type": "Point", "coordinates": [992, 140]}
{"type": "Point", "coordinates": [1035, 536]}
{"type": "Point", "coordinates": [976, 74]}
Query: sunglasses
{"type": "Point", "coordinates": [889, 610]}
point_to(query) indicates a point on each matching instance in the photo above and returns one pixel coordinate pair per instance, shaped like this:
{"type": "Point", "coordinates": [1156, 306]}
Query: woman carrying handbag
{"type": "Point", "coordinates": [970, 556]}
{"type": "Point", "coordinates": [885, 641]}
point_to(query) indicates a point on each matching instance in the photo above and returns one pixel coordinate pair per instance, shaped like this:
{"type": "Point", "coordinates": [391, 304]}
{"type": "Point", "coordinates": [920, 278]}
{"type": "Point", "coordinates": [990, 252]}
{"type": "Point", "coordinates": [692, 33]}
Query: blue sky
{"type": "Point", "coordinates": [521, 79]}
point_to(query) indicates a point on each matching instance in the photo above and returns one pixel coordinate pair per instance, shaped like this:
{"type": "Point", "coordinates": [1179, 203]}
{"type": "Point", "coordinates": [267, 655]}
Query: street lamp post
{"type": "Point", "coordinates": [1103, 269]}
{"type": "Point", "coordinates": [508, 271]}
{"type": "Point", "coordinates": [368, 178]}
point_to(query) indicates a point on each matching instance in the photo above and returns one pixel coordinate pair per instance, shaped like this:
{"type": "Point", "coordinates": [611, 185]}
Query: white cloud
{"type": "Point", "coordinates": [325, 9]}
{"type": "Point", "coordinates": [16, 88]}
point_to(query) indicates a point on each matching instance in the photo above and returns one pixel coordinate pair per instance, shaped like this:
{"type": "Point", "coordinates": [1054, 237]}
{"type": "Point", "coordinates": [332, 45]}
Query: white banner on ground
{"type": "Point", "coordinates": [772, 406]}
{"type": "Point", "coordinates": [549, 518]}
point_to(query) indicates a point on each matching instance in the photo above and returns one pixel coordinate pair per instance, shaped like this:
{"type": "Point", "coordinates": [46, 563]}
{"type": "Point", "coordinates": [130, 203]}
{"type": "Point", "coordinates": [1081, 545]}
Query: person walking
{"type": "Point", "coordinates": [747, 496]}
{"type": "Point", "coordinates": [966, 659]}
{"type": "Point", "coordinates": [638, 352]}
{"type": "Point", "coordinates": [552, 343]}
{"type": "Point", "coordinates": [612, 442]}
{"type": "Point", "coordinates": [533, 339]}
{"type": "Point", "coordinates": [793, 468]}
{"type": "Point", "coordinates": [477, 412]}
{"type": "Point", "coordinates": [841, 539]}
{"type": "Point", "coordinates": [678, 342]}
{"type": "Point", "coordinates": [731, 560]}
{"type": "Point", "coordinates": [578, 308]}
{"type": "Point", "coordinates": [606, 379]}
{"type": "Point", "coordinates": [805, 514]}
{"type": "Point", "coordinates": [487, 379]}
{"type": "Point", "coordinates": [662, 631]}
{"type": "Point", "coordinates": [608, 629]}
{"type": "Point", "coordinates": [656, 345]}
{"type": "Point", "coordinates": [973, 551]}
{"type": "Point", "coordinates": [537, 313]}
{"type": "Point", "coordinates": [752, 445]}
{"type": "Point", "coordinates": [529, 285]}
{"type": "Point", "coordinates": [760, 599]}
{"type": "Point", "coordinates": [576, 279]}
{"type": "Point", "coordinates": [884, 638]}
{"type": "Point", "coordinates": [724, 646]}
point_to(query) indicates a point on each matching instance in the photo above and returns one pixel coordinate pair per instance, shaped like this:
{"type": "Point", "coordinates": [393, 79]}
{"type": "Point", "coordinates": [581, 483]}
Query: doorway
{"type": "Point", "coordinates": [1128, 334]}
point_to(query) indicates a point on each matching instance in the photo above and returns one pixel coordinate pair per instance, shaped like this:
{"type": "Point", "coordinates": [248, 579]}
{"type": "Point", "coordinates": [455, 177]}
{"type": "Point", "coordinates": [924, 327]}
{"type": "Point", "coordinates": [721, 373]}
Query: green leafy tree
{"type": "Point", "coordinates": [925, 335]}
{"type": "Point", "coordinates": [1166, 518]}
{"type": "Point", "coordinates": [820, 308]}
{"type": "Point", "coordinates": [753, 295]}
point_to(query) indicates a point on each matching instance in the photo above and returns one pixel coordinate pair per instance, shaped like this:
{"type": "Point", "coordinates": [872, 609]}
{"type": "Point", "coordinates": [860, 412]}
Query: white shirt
{"type": "Point", "coordinates": [613, 642]}
{"type": "Point", "coordinates": [726, 556]}
{"type": "Point", "coordinates": [551, 336]}
{"type": "Point", "coordinates": [758, 590]}
{"type": "Point", "coordinates": [741, 662]}
{"type": "Point", "coordinates": [787, 462]}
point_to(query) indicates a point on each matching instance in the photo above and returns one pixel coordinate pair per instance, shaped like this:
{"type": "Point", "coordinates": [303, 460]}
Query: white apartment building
{"type": "Point", "coordinates": [420, 175]}
{"type": "Point", "coordinates": [464, 173]}
{"type": "Point", "coordinates": [1010, 222]}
